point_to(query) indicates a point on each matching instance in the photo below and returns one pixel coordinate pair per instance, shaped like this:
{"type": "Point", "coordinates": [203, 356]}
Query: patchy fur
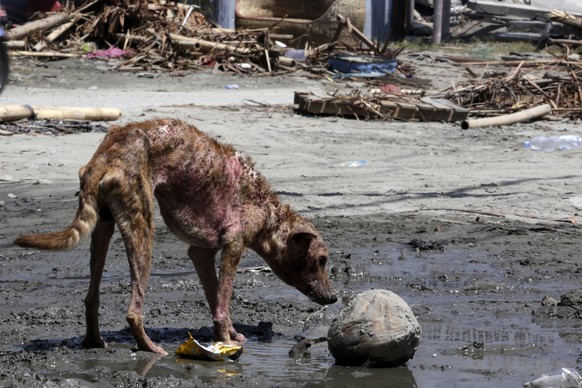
{"type": "Point", "coordinates": [209, 195]}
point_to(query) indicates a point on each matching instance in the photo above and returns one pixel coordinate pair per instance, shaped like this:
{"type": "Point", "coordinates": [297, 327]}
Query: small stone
{"type": "Point", "coordinates": [11, 196]}
{"type": "Point", "coordinates": [7, 178]}
{"type": "Point", "coordinates": [549, 301]}
{"type": "Point", "coordinates": [572, 298]}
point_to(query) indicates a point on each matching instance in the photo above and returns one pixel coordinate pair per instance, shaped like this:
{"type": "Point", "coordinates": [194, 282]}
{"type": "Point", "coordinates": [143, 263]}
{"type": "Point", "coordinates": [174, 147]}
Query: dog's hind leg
{"type": "Point", "coordinates": [130, 200]}
{"type": "Point", "coordinates": [99, 246]}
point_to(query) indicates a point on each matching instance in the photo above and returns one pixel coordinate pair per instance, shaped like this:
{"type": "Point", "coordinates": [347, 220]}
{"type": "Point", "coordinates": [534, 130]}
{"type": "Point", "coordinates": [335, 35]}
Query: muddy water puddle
{"type": "Point", "coordinates": [262, 364]}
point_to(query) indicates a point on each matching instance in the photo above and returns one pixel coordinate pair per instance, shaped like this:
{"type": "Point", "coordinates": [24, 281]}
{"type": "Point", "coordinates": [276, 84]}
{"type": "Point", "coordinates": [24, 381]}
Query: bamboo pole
{"type": "Point", "coordinates": [287, 61]}
{"type": "Point", "coordinates": [205, 45]}
{"type": "Point", "coordinates": [15, 44]}
{"type": "Point", "coordinates": [130, 38]}
{"type": "Point", "coordinates": [268, 60]}
{"type": "Point", "coordinates": [40, 25]}
{"type": "Point", "coordinates": [15, 112]}
{"type": "Point", "coordinates": [53, 35]}
{"type": "Point", "coordinates": [19, 112]}
{"type": "Point", "coordinates": [518, 117]}
{"type": "Point", "coordinates": [76, 113]}
{"type": "Point", "coordinates": [54, 54]}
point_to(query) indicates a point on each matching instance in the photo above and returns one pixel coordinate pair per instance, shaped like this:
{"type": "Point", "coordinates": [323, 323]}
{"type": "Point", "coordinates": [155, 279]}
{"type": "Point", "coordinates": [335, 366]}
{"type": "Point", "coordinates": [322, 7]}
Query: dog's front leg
{"type": "Point", "coordinates": [223, 328]}
{"type": "Point", "coordinates": [203, 260]}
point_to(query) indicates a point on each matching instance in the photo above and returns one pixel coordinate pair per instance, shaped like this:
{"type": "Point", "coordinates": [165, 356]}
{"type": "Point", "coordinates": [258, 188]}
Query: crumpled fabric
{"type": "Point", "coordinates": [111, 52]}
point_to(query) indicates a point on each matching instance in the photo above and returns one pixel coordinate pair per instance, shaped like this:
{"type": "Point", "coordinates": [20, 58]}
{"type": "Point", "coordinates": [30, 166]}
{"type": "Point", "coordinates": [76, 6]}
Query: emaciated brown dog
{"type": "Point", "coordinates": [209, 195]}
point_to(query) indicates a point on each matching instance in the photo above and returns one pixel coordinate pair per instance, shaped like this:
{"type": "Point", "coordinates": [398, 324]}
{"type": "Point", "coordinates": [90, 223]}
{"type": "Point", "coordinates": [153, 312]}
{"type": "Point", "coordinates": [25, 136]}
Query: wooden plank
{"type": "Point", "coordinates": [398, 110]}
{"type": "Point", "coordinates": [312, 104]}
{"type": "Point", "coordinates": [517, 36]}
{"type": "Point", "coordinates": [425, 109]}
{"type": "Point", "coordinates": [558, 29]}
{"type": "Point", "coordinates": [457, 113]}
{"type": "Point", "coordinates": [428, 112]}
{"type": "Point", "coordinates": [407, 111]}
{"type": "Point", "coordinates": [447, 112]}
{"type": "Point", "coordinates": [389, 109]}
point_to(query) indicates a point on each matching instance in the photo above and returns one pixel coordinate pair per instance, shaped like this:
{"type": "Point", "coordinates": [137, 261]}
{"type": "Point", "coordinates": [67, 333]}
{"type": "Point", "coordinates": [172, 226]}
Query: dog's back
{"type": "Point", "coordinates": [206, 190]}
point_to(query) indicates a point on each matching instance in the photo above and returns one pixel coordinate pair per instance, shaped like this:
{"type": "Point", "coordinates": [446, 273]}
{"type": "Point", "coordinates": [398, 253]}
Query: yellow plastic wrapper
{"type": "Point", "coordinates": [216, 351]}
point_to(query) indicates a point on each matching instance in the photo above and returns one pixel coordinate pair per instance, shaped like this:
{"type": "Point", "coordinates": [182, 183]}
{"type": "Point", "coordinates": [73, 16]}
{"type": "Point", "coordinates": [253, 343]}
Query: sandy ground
{"type": "Point", "coordinates": [467, 226]}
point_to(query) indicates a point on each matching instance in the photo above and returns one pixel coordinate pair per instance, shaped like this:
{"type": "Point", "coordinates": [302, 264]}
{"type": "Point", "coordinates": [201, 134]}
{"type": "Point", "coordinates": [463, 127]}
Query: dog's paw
{"type": "Point", "coordinates": [238, 338]}
{"type": "Point", "coordinates": [92, 343]}
{"type": "Point", "coordinates": [158, 350]}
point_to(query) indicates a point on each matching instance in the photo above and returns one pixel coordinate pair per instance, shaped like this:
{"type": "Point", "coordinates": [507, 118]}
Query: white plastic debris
{"type": "Point", "coordinates": [568, 378]}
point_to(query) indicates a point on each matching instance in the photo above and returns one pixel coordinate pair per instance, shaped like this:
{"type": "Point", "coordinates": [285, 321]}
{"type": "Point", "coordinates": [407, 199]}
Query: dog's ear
{"type": "Point", "coordinates": [300, 237]}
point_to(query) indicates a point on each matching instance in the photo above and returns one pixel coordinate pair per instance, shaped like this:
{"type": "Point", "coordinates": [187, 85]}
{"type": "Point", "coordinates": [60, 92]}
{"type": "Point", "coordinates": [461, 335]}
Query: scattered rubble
{"type": "Point", "coordinates": [557, 83]}
{"type": "Point", "coordinates": [160, 35]}
{"type": "Point", "coordinates": [50, 127]}
{"type": "Point", "coordinates": [165, 35]}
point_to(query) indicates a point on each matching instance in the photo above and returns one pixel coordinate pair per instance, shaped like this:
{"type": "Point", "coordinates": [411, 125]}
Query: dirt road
{"type": "Point", "coordinates": [467, 226]}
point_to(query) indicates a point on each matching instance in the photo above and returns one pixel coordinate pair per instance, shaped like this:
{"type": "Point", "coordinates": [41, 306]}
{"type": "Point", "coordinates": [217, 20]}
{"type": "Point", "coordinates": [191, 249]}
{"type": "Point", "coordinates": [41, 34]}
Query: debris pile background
{"type": "Point", "coordinates": [152, 35]}
{"type": "Point", "coordinates": [497, 92]}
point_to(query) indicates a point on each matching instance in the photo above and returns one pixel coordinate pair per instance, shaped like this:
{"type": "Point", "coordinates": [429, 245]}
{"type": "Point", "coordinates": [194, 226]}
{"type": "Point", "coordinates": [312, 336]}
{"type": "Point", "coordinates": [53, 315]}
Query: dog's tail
{"type": "Point", "coordinates": [81, 227]}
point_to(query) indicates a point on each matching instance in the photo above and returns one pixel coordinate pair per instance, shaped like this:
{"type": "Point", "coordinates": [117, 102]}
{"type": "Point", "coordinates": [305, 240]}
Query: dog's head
{"type": "Point", "coordinates": [303, 264]}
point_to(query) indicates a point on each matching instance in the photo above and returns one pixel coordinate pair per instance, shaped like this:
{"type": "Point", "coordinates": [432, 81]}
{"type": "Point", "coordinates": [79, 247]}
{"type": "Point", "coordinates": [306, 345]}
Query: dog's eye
{"type": "Point", "coordinates": [322, 261]}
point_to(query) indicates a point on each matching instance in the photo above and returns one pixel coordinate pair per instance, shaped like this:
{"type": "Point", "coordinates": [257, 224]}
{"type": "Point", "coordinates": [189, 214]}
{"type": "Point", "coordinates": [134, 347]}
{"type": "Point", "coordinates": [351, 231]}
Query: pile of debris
{"type": "Point", "coordinates": [141, 35]}
{"type": "Point", "coordinates": [167, 35]}
{"type": "Point", "coordinates": [560, 86]}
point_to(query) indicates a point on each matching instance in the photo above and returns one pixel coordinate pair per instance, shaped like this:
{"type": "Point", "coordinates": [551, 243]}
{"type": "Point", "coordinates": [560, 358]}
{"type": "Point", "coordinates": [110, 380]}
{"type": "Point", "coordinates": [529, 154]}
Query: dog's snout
{"type": "Point", "coordinates": [330, 299]}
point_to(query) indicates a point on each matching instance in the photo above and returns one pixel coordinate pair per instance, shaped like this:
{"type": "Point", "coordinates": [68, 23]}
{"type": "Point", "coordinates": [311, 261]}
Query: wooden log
{"type": "Point", "coordinates": [518, 117]}
{"type": "Point", "coordinates": [40, 25]}
{"type": "Point", "coordinates": [357, 33]}
{"type": "Point", "coordinates": [15, 44]}
{"type": "Point", "coordinates": [289, 62]}
{"type": "Point", "coordinates": [45, 54]}
{"type": "Point", "coordinates": [268, 60]}
{"type": "Point", "coordinates": [15, 112]}
{"type": "Point", "coordinates": [130, 38]}
{"type": "Point", "coordinates": [53, 35]}
{"type": "Point", "coordinates": [571, 42]}
{"type": "Point", "coordinates": [76, 113]}
{"type": "Point", "coordinates": [566, 18]}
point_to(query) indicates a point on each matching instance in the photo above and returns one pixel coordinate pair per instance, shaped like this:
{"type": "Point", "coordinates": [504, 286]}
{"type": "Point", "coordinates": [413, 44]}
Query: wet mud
{"type": "Point", "coordinates": [494, 299]}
